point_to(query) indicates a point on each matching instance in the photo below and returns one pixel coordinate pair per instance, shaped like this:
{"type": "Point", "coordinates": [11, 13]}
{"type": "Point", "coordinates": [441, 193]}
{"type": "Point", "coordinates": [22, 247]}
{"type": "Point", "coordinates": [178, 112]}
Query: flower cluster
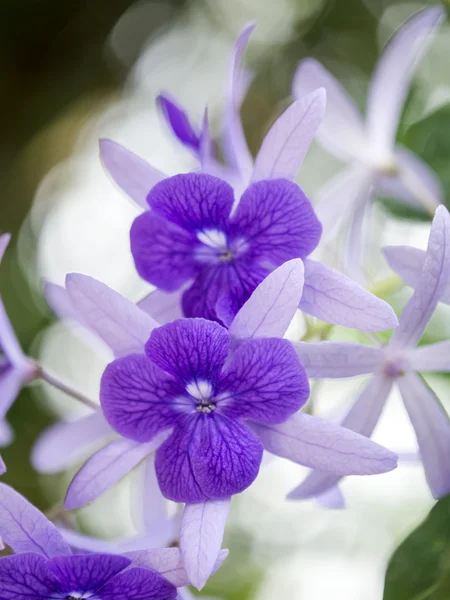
{"type": "Point", "coordinates": [203, 378]}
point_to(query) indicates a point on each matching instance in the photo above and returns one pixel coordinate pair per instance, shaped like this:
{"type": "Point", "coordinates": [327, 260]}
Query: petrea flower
{"type": "Point", "coordinates": [302, 438]}
{"type": "Point", "coordinates": [206, 243]}
{"type": "Point", "coordinates": [44, 566]}
{"type": "Point", "coordinates": [374, 161]}
{"type": "Point", "coordinates": [15, 368]}
{"type": "Point", "coordinates": [396, 364]}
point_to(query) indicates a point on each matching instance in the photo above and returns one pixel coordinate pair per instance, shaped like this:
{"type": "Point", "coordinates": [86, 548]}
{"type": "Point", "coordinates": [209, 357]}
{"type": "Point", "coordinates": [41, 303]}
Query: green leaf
{"type": "Point", "coordinates": [420, 567]}
{"type": "Point", "coordinates": [430, 140]}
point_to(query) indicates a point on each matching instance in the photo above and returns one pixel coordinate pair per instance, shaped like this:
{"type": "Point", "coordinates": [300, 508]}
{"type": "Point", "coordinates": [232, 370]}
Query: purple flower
{"type": "Point", "coordinates": [396, 364]}
{"type": "Point", "coordinates": [207, 248]}
{"type": "Point", "coordinates": [301, 438]}
{"type": "Point", "coordinates": [44, 566]}
{"type": "Point", "coordinates": [374, 161]}
{"type": "Point", "coordinates": [15, 368]}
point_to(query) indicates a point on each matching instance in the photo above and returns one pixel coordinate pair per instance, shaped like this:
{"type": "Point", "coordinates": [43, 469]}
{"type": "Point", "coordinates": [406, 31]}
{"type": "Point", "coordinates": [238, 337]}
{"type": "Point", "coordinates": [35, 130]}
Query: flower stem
{"type": "Point", "coordinates": [66, 388]}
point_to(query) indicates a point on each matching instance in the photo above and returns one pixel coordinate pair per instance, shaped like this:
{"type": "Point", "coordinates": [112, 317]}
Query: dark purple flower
{"type": "Point", "coordinates": [189, 383]}
{"type": "Point", "coordinates": [191, 235]}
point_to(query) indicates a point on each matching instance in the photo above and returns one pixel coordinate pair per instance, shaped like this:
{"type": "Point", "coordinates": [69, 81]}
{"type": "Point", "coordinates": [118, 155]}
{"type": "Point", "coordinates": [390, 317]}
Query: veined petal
{"type": "Point", "coordinates": [117, 321]}
{"type": "Point", "coordinates": [235, 147]}
{"type": "Point", "coordinates": [162, 306]}
{"type": "Point", "coordinates": [86, 571]}
{"type": "Point", "coordinates": [393, 74]}
{"type": "Point", "coordinates": [415, 183]}
{"type": "Point", "coordinates": [26, 529]}
{"type": "Point", "coordinates": [325, 446]}
{"type": "Point", "coordinates": [163, 253]}
{"type": "Point", "coordinates": [272, 306]}
{"type": "Point", "coordinates": [190, 349]}
{"type": "Point", "coordinates": [137, 584]}
{"type": "Point", "coordinates": [26, 576]}
{"type": "Point", "coordinates": [337, 359]}
{"type": "Point", "coordinates": [362, 418]}
{"type": "Point", "coordinates": [335, 201]}
{"type": "Point", "coordinates": [285, 145]}
{"type": "Point", "coordinates": [264, 381]}
{"type": "Point", "coordinates": [131, 173]}
{"type": "Point", "coordinates": [342, 130]}
{"type": "Point", "coordinates": [435, 357]}
{"type": "Point", "coordinates": [65, 444]}
{"type": "Point", "coordinates": [179, 123]}
{"type": "Point", "coordinates": [432, 427]}
{"type": "Point", "coordinates": [168, 562]}
{"type": "Point", "coordinates": [105, 468]}
{"type": "Point", "coordinates": [433, 282]}
{"type": "Point", "coordinates": [277, 221]}
{"type": "Point", "coordinates": [138, 399]}
{"type": "Point", "coordinates": [334, 298]}
{"type": "Point", "coordinates": [202, 529]}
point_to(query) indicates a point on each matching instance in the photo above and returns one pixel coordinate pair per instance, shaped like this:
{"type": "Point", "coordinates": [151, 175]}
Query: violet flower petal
{"type": "Point", "coordinates": [149, 507]}
{"type": "Point", "coordinates": [2, 471]}
{"type": "Point", "coordinates": [414, 184]}
{"type": "Point", "coordinates": [26, 577]}
{"type": "Point", "coordinates": [6, 434]}
{"type": "Point", "coordinates": [131, 173]}
{"type": "Point", "coordinates": [432, 284]}
{"type": "Point", "coordinates": [337, 359]}
{"type": "Point", "coordinates": [332, 498]}
{"type": "Point", "coordinates": [5, 238]}
{"type": "Point", "coordinates": [138, 399]}
{"type": "Point", "coordinates": [105, 468]}
{"type": "Point", "coordinates": [58, 298]}
{"type": "Point", "coordinates": [342, 130]}
{"type": "Point", "coordinates": [408, 262]}
{"type": "Point", "coordinates": [334, 298]}
{"type": "Point", "coordinates": [138, 584]}
{"type": "Point", "coordinates": [325, 446]}
{"type": "Point", "coordinates": [264, 381]}
{"type": "Point", "coordinates": [163, 253]}
{"type": "Point", "coordinates": [362, 418]}
{"type": "Point", "coordinates": [235, 148]}
{"type": "Point", "coordinates": [162, 306]}
{"type": "Point", "coordinates": [11, 383]}
{"type": "Point", "coordinates": [179, 123]}
{"type": "Point", "coordinates": [190, 349]}
{"type": "Point", "coordinates": [117, 321]}
{"type": "Point", "coordinates": [65, 444]}
{"type": "Point", "coordinates": [87, 572]}
{"type": "Point", "coordinates": [435, 357]}
{"type": "Point", "coordinates": [202, 529]}
{"type": "Point", "coordinates": [272, 306]}
{"type": "Point", "coordinates": [26, 529]}
{"type": "Point", "coordinates": [285, 145]}
{"type": "Point", "coordinates": [432, 427]}
{"type": "Point", "coordinates": [9, 343]}
{"type": "Point", "coordinates": [277, 220]}
{"type": "Point", "coordinates": [392, 76]}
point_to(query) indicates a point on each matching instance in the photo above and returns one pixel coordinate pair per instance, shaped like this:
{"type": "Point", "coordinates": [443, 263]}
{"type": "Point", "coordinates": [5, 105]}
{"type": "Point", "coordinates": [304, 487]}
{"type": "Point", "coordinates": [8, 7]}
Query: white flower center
{"type": "Point", "coordinates": [201, 391]}
{"type": "Point", "coordinates": [213, 238]}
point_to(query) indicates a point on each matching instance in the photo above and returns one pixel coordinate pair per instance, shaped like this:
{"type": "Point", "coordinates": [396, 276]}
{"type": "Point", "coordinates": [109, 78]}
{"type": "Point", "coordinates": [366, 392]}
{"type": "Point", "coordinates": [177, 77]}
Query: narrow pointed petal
{"type": "Point", "coordinates": [272, 306]}
{"type": "Point", "coordinates": [131, 173]}
{"type": "Point", "coordinates": [432, 427]}
{"type": "Point", "coordinates": [335, 201]}
{"type": "Point", "coordinates": [334, 298]}
{"type": "Point", "coordinates": [332, 498]}
{"type": "Point", "coordinates": [117, 321]}
{"type": "Point", "coordinates": [163, 307]}
{"type": "Point", "coordinates": [150, 508]}
{"type": "Point", "coordinates": [6, 434]}
{"type": "Point", "coordinates": [325, 446]}
{"type": "Point", "coordinates": [362, 418]}
{"type": "Point", "coordinates": [406, 261]}
{"type": "Point", "coordinates": [432, 284]}
{"type": "Point", "coordinates": [202, 529]}
{"type": "Point", "coordinates": [356, 238]}
{"type": "Point", "coordinates": [285, 146]}
{"type": "Point", "coordinates": [394, 72]}
{"type": "Point", "coordinates": [25, 528]}
{"type": "Point", "coordinates": [415, 183]}
{"type": "Point", "coordinates": [337, 359]}
{"type": "Point", "coordinates": [65, 444]}
{"type": "Point", "coordinates": [235, 147]}
{"type": "Point", "coordinates": [4, 241]}
{"type": "Point", "coordinates": [168, 562]}
{"type": "Point", "coordinates": [178, 121]}
{"type": "Point", "coordinates": [9, 342]}
{"type": "Point", "coordinates": [58, 298]}
{"type": "Point", "coordinates": [2, 470]}
{"type": "Point", "coordinates": [105, 468]}
{"type": "Point", "coordinates": [435, 357]}
{"type": "Point", "coordinates": [10, 386]}
{"type": "Point", "coordinates": [342, 129]}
